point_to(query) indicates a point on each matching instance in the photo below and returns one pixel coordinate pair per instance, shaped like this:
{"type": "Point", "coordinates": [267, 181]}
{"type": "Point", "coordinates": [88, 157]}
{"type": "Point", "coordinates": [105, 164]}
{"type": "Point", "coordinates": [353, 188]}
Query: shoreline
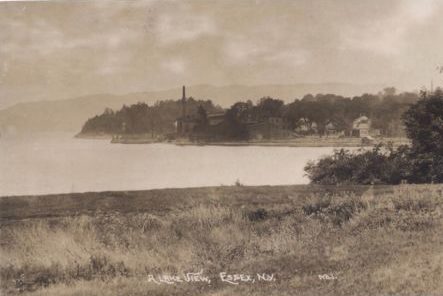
{"type": "Point", "coordinates": [347, 142]}
{"type": "Point", "coordinates": [93, 136]}
{"type": "Point", "coordinates": [298, 142]}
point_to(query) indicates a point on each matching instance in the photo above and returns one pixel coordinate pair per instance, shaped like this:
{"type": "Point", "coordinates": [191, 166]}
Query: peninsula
{"type": "Point", "coordinates": [313, 121]}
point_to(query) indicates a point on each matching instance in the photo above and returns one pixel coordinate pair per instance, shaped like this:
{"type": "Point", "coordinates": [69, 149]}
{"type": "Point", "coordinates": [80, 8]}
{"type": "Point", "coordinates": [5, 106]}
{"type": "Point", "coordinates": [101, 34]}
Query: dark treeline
{"type": "Point", "coordinates": [384, 110]}
{"type": "Point", "coordinates": [140, 118]}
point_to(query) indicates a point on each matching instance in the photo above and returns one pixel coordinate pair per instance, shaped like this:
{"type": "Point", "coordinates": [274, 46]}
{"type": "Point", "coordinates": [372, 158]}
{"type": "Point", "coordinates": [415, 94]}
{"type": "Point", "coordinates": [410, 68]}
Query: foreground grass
{"type": "Point", "coordinates": [370, 241]}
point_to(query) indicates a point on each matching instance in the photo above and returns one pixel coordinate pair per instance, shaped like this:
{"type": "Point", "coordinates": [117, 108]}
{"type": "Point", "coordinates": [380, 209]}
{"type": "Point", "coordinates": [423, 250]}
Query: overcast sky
{"type": "Point", "coordinates": [56, 50]}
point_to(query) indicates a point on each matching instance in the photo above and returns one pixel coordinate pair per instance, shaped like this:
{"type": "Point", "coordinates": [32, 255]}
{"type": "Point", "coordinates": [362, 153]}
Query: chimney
{"type": "Point", "coordinates": [184, 102]}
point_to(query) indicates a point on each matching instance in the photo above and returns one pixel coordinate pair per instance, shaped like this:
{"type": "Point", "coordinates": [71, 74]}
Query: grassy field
{"type": "Point", "coordinates": [315, 241]}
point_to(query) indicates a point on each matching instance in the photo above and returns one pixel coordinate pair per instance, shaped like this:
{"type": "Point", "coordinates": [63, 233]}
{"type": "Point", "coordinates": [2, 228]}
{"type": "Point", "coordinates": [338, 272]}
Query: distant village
{"type": "Point", "coordinates": [272, 127]}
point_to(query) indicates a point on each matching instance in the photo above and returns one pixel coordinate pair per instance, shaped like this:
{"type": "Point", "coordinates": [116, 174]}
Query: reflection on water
{"type": "Point", "coordinates": [49, 164]}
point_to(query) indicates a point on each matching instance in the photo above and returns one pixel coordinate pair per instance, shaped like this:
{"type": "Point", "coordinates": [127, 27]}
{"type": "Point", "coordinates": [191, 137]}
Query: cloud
{"type": "Point", "coordinates": [39, 38]}
{"type": "Point", "coordinates": [387, 36]}
{"type": "Point", "coordinates": [179, 27]}
{"type": "Point", "coordinates": [419, 11]}
{"type": "Point", "coordinates": [174, 65]}
{"type": "Point", "coordinates": [61, 49]}
{"type": "Point", "coordinates": [246, 51]}
{"type": "Point", "coordinates": [291, 58]}
{"type": "Point", "coordinates": [240, 50]}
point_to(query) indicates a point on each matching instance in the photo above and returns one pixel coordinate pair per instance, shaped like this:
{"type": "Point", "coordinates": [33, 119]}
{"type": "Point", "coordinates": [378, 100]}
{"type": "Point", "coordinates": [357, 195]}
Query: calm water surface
{"type": "Point", "coordinates": [62, 164]}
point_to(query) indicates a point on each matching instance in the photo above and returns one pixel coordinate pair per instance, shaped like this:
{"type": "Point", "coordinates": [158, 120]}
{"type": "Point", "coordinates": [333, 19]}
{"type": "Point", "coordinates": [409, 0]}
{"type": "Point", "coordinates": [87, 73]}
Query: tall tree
{"type": "Point", "coordinates": [424, 126]}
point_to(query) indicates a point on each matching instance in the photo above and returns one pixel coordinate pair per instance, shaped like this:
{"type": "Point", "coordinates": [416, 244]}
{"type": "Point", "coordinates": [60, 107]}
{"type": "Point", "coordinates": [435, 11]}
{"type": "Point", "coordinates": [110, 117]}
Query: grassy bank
{"type": "Point", "coordinates": [368, 241]}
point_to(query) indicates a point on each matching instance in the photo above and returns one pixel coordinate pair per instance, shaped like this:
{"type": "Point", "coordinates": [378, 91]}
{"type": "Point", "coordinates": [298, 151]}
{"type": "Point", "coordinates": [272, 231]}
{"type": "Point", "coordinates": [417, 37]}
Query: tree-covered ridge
{"type": "Point", "coordinates": [141, 118]}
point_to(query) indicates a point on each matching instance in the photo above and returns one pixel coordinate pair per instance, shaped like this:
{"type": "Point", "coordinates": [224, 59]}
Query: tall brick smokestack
{"type": "Point", "coordinates": [184, 102]}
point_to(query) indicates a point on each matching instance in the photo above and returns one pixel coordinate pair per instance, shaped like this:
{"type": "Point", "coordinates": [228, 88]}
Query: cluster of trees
{"type": "Point", "coordinates": [384, 109]}
{"type": "Point", "coordinates": [140, 118]}
{"type": "Point", "coordinates": [422, 162]}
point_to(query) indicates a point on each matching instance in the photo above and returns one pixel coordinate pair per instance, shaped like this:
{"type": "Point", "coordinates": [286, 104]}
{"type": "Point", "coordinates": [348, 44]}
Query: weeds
{"type": "Point", "coordinates": [257, 215]}
{"type": "Point", "coordinates": [299, 237]}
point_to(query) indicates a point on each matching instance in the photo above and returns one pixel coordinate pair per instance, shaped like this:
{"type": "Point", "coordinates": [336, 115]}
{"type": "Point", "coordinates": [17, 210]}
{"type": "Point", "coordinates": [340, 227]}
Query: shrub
{"type": "Point", "coordinates": [335, 209]}
{"type": "Point", "coordinates": [381, 165]}
{"type": "Point", "coordinates": [317, 206]}
{"type": "Point", "coordinates": [258, 215]}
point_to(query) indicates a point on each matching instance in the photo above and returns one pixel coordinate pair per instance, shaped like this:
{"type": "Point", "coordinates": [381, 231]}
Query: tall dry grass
{"type": "Point", "coordinates": [374, 244]}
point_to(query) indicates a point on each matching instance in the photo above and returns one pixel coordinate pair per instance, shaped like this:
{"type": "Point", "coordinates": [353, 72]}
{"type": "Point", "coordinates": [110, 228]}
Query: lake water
{"type": "Point", "coordinates": [62, 164]}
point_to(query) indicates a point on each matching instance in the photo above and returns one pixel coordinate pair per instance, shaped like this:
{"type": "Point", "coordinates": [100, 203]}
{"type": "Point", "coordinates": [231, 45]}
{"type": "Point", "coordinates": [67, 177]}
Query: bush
{"type": "Point", "coordinates": [381, 165]}
{"type": "Point", "coordinates": [258, 215]}
{"type": "Point", "coordinates": [335, 209]}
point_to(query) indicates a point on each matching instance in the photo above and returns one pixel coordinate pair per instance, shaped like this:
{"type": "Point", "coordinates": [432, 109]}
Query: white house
{"type": "Point", "coordinates": [360, 127]}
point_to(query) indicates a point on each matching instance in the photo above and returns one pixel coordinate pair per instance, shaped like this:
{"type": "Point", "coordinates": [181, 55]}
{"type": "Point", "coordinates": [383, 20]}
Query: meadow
{"type": "Point", "coordinates": [314, 240]}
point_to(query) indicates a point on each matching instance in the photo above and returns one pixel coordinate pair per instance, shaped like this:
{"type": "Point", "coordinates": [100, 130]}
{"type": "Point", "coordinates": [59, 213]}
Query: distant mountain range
{"type": "Point", "coordinates": [69, 115]}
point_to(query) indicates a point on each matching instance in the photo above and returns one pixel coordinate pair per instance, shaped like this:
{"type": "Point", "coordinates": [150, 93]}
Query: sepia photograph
{"type": "Point", "coordinates": [221, 148]}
